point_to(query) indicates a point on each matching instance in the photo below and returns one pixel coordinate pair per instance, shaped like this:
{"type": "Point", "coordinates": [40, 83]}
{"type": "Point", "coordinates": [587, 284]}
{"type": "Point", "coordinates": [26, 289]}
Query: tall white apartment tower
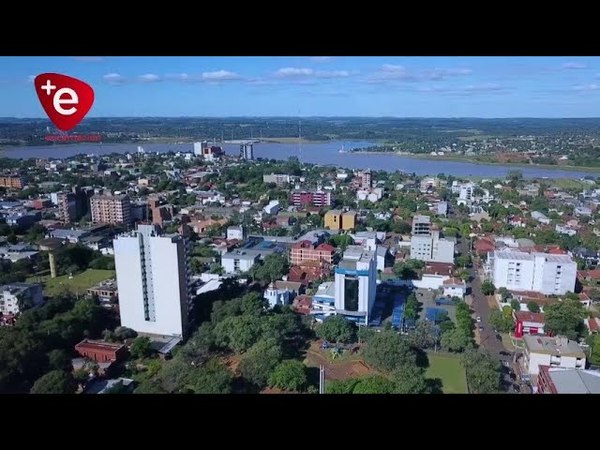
{"type": "Point", "coordinates": [153, 281]}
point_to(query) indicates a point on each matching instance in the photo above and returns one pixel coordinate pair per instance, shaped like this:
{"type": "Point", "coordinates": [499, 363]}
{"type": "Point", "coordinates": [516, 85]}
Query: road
{"type": "Point", "coordinates": [490, 340]}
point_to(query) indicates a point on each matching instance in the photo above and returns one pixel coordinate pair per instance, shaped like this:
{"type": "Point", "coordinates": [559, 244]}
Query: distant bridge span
{"type": "Point", "coordinates": [242, 141]}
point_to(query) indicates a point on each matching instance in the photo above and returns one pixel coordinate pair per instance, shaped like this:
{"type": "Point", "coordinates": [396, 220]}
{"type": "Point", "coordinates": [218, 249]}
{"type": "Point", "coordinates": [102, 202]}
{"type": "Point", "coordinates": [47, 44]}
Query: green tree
{"type": "Point", "coordinates": [388, 350]}
{"type": "Point", "coordinates": [565, 318]}
{"type": "Point", "coordinates": [238, 333]}
{"type": "Point", "coordinates": [595, 356]}
{"type": "Point", "coordinates": [257, 364]}
{"type": "Point", "coordinates": [59, 360]}
{"type": "Point", "coordinates": [289, 375]}
{"type": "Point", "coordinates": [411, 307]}
{"type": "Point", "coordinates": [374, 384]}
{"type": "Point", "coordinates": [463, 260]}
{"type": "Point", "coordinates": [500, 321]}
{"type": "Point", "coordinates": [140, 348]}
{"type": "Point", "coordinates": [487, 287]}
{"type": "Point", "coordinates": [211, 378]}
{"type": "Point", "coordinates": [455, 340]}
{"type": "Point", "coordinates": [515, 304]}
{"type": "Point", "coordinates": [424, 335]}
{"type": "Point", "coordinates": [55, 382]}
{"type": "Point", "coordinates": [483, 372]}
{"type": "Point", "coordinates": [341, 386]}
{"type": "Point", "coordinates": [273, 268]}
{"type": "Point", "coordinates": [341, 241]}
{"type": "Point", "coordinates": [533, 307]}
{"type": "Point", "coordinates": [123, 333]}
{"type": "Point", "coordinates": [337, 329]}
{"type": "Point", "coordinates": [504, 294]}
{"type": "Point", "coordinates": [409, 379]}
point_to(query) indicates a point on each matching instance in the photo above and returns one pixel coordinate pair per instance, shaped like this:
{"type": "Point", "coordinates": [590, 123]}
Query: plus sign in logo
{"type": "Point", "coordinates": [65, 99]}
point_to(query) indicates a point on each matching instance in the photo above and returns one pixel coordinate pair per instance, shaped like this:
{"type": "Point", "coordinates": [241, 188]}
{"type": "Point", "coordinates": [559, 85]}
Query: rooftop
{"type": "Point", "coordinates": [17, 288]}
{"type": "Point", "coordinates": [526, 316]}
{"type": "Point", "coordinates": [421, 219]}
{"type": "Point", "coordinates": [553, 346]}
{"type": "Point", "coordinates": [242, 254]}
{"type": "Point", "coordinates": [575, 381]}
{"type": "Point", "coordinates": [97, 345]}
{"type": "Point", "coordinates": [326, 289]}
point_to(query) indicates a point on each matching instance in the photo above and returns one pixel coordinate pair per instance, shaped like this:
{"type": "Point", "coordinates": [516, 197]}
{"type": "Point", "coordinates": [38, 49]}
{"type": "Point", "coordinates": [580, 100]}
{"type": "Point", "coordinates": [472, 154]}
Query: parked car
{"type": "Point", "coordinates": [478, 319]}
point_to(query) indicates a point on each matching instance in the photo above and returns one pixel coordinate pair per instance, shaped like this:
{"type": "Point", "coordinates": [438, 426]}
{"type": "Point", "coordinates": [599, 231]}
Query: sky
{"type": "Point", "coordinates": [486, 87]}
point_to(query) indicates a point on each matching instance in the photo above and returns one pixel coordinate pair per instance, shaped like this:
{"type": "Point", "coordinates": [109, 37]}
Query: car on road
{"type": "Point", "coordinates": [478, 319]}
{"type": "Point", "coordinates": [480, 327]}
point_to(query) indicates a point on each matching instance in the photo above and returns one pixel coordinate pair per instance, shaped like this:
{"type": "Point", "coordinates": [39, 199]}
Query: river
{"type": "Point", "coordinates": [317, 153]}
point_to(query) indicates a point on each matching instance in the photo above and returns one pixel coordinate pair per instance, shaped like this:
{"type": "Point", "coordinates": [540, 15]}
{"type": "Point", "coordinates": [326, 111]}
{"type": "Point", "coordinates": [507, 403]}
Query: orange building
{"type": "Point", "coordinates": [305, 251]}
{"type": "Point", "coordinates": [11, 182]}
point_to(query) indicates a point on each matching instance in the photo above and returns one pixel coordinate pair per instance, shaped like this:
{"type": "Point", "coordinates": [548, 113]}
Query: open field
{"type": "Point", "coordinates": [448, 369]}
{"type": "Point", "coordinates": [77, 285]}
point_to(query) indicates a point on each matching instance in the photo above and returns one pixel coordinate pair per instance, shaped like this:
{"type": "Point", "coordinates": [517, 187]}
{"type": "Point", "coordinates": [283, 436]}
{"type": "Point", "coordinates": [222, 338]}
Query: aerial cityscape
{"type": "Point", "coordinates": [305, 225]}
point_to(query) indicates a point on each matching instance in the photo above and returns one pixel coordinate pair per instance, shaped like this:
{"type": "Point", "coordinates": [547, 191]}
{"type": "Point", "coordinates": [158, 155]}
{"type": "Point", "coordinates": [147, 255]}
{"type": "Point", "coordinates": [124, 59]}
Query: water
{"type": "Point", "coordinates": [321, 153]}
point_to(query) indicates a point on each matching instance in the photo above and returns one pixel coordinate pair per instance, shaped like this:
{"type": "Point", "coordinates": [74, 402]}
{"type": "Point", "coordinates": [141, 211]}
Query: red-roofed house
{"type": "Point", "coordinates": [302, 304]}
{"type": "Point", "coordinates": [592, 324]}
{"type": "Point", "coordinates": [589, 275]}
{"type": "Point", "coordinates": [528, 323]}
{"type": "Point", "coordinates": [483, 245]}
{"type": "Point", "coordinates": [306, 251]}
{"type": "Point", "coordinates": [437, 268]}
{"type": "Point", "coordinates": [455, 287]}
{"type": "Point", "coordinates": [101, 351]}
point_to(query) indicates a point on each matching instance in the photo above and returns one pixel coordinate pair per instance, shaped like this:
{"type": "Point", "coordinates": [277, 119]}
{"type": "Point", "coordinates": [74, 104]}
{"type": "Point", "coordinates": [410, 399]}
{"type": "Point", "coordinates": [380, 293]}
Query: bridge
{"type": "Point", "coordinates": [242, 141]}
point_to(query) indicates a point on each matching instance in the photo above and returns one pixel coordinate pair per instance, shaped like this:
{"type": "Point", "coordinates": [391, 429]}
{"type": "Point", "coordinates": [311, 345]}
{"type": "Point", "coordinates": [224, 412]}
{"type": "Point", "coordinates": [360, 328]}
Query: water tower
{"type": "Point", "coordinates": [50, 245]}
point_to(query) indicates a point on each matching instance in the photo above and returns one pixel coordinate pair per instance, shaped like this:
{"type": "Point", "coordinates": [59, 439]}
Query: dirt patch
{"type": "Point", "coordinates": [231, 362]}
{"type": "Point", "coordinates": [349, 365]}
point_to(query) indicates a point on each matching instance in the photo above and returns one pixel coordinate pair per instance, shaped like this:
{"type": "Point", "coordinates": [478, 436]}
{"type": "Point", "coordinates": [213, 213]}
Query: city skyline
{"type": "Point", "coordinates": [486, 87]}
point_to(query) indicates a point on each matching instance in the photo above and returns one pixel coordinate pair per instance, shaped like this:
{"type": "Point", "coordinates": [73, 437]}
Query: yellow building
{"type": "Point", "coordinates": [338, 220]}
{"type": "Point", "coordinates": [348, 220]}
{"type": "Point", "coordinates": [333, 219]}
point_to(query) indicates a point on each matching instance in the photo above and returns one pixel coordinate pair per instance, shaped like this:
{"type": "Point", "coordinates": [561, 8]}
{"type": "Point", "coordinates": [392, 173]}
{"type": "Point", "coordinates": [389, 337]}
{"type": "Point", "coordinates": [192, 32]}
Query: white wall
{"type": "Point", "coordinates": [166, 283]}
{"type": "Point", "coordinates": [430, 281]}
{"type": "Point", "coordinates": [501, 278]}
{"type": "Point", "coordinates": [537, 359]}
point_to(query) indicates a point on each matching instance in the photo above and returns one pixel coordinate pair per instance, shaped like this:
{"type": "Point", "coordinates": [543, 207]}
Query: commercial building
{"type": "Point", "coordinates": [239, 261]}
{"type": "Point", "coordinates": [546, 273]}
{"type": "Point", "coordinates": [528, 323]}
{"type": "Point", "coordinates": [153, 281]}
{"type": "Point", "coordinates": [558, 380]}
{"type": "Point", "coordinates": [310, 198]}
{"type": "Point", "coordinates": [208, 152]}
{"type": "Point", "coordinates": [236, 232]}
{"type": "Point", "coordinates": [72, 206]}
{"type": "Point", "coordinates": [551, 351]}
{"type": "Point", "coordinates": [427, 245]}
{"type": "Point", "coordinates": [101, 351]}
{"type": "Point", "coordinates": [364, 179]}
{"type": "Point", "coordinates": [15, 296]}
{"type": "Point", "coordinates": [307, 251]}
{"type": "Point", "coordinates": [336, 219]}
{"type": "Point", "coordinates": [272, 207]}
{"type": "Point", "coordinates": [111, 209]}
{"type": "Point", "coordinates": [355, 284]}
{"type": "Point", "coordinates": [11, 182]}
{"type": "Point", "coordinates": [421, 225]}
{"type": "Point", "coordinates": [280, 179]}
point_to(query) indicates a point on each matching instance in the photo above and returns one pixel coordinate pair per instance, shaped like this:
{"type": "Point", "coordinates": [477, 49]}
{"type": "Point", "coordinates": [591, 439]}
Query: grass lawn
{"type": "Point", "coordinates": [77, 285]}
{"type": "Point", "coordinates": [568, 183]}
{"type": "Point", "coordinates": [448, 369]}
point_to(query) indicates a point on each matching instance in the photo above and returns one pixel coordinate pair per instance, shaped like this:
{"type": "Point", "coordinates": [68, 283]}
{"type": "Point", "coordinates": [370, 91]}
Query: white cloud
{"type": "Point", "coordinates": [574, 65]}
{"type": "Point", "coordinates": [332, 74]}
{"type": "Point", "coordinates": [320, 59]}
{"type": "Point", "coordinates": [291, 72]}
{"type": "Point", "coordinates": [178, 76]}
{"type": "Point", "coordinates": [471, 89]}
{"type": "Point", "coordinates": [588, 87]}
{"type": "Point", "coordinates": [88, 58]}
{"type": "Point", "coordinates": [149, 78]}
{"type": "Point", "coordinates": [31, 78]}
{"type": "Point", "coordinates": [220, 75]}
{"type": "Point", "coordinates": [113, 78]}
{"type": "Point", "coordinates": [393, 72]}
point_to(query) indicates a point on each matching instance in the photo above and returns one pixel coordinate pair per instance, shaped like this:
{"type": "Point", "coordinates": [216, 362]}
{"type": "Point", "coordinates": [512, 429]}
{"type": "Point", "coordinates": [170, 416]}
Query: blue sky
{"type": "Point", "coordinates": [316, 86]}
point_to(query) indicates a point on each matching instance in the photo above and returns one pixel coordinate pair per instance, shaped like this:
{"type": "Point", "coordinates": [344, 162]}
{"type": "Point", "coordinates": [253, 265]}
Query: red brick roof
{"type": "Point", "coordinates": [483, 245]}
{"type": "Point", "coordinates": [454, 282]}
{"type": "Point", "coordinates": [326, 247]}
{"type": "Point", "coordinates": [303, 244]}
{"type": "Point", "coordinates": [592, 274]}
{"type": "Point", "coordinates": [436, 268]}
{"type": "Point", "coordinates": [593, 325]}
{"type": "Point", "coordinates": [527, 316]}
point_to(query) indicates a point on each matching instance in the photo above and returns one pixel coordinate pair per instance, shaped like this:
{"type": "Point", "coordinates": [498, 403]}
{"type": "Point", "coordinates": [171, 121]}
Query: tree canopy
{"type": "Point", "coordinates": [55, 382]}
{"type": "Point", "coordinates": [388, 350]}
{"type": "Point", "coordinates": [337, 328]}
{"type": "Point", "coordinates": [566, 318]}
{"type": "Point", "coordinates": [289, 375]}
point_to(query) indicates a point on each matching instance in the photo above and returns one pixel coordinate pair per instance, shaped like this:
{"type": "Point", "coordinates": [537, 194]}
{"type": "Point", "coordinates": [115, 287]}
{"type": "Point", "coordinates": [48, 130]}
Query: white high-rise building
{"type": "Point", "coordinates": [426, 244]}
{"type": "Point", "coordinates": [540, 272]}
{"type": "Point", "coordinates": [153, 281]}
{"type": "Point", "coordinates": [356, 284]}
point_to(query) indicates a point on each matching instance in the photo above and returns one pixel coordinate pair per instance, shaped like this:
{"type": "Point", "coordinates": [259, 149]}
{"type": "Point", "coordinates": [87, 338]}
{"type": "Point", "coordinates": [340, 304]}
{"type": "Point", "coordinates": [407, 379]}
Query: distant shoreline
{"type": "Point", "coordinates": [482, 163]}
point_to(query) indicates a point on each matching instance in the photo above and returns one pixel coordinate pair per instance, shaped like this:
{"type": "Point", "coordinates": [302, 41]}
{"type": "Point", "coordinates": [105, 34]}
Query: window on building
{"type": "Point", "coordinates": [351, 294]}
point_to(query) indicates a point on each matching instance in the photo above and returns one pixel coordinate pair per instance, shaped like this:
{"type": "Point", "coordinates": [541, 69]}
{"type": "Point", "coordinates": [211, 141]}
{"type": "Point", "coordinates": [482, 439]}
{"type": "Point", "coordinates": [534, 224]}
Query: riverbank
{"type": "Point", "coordinates": [485, 163]}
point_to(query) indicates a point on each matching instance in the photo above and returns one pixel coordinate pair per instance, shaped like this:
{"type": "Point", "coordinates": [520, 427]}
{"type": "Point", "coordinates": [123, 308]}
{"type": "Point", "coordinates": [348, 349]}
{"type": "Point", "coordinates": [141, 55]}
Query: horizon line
{"type": "Point", "coordinates": [315, 117]}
